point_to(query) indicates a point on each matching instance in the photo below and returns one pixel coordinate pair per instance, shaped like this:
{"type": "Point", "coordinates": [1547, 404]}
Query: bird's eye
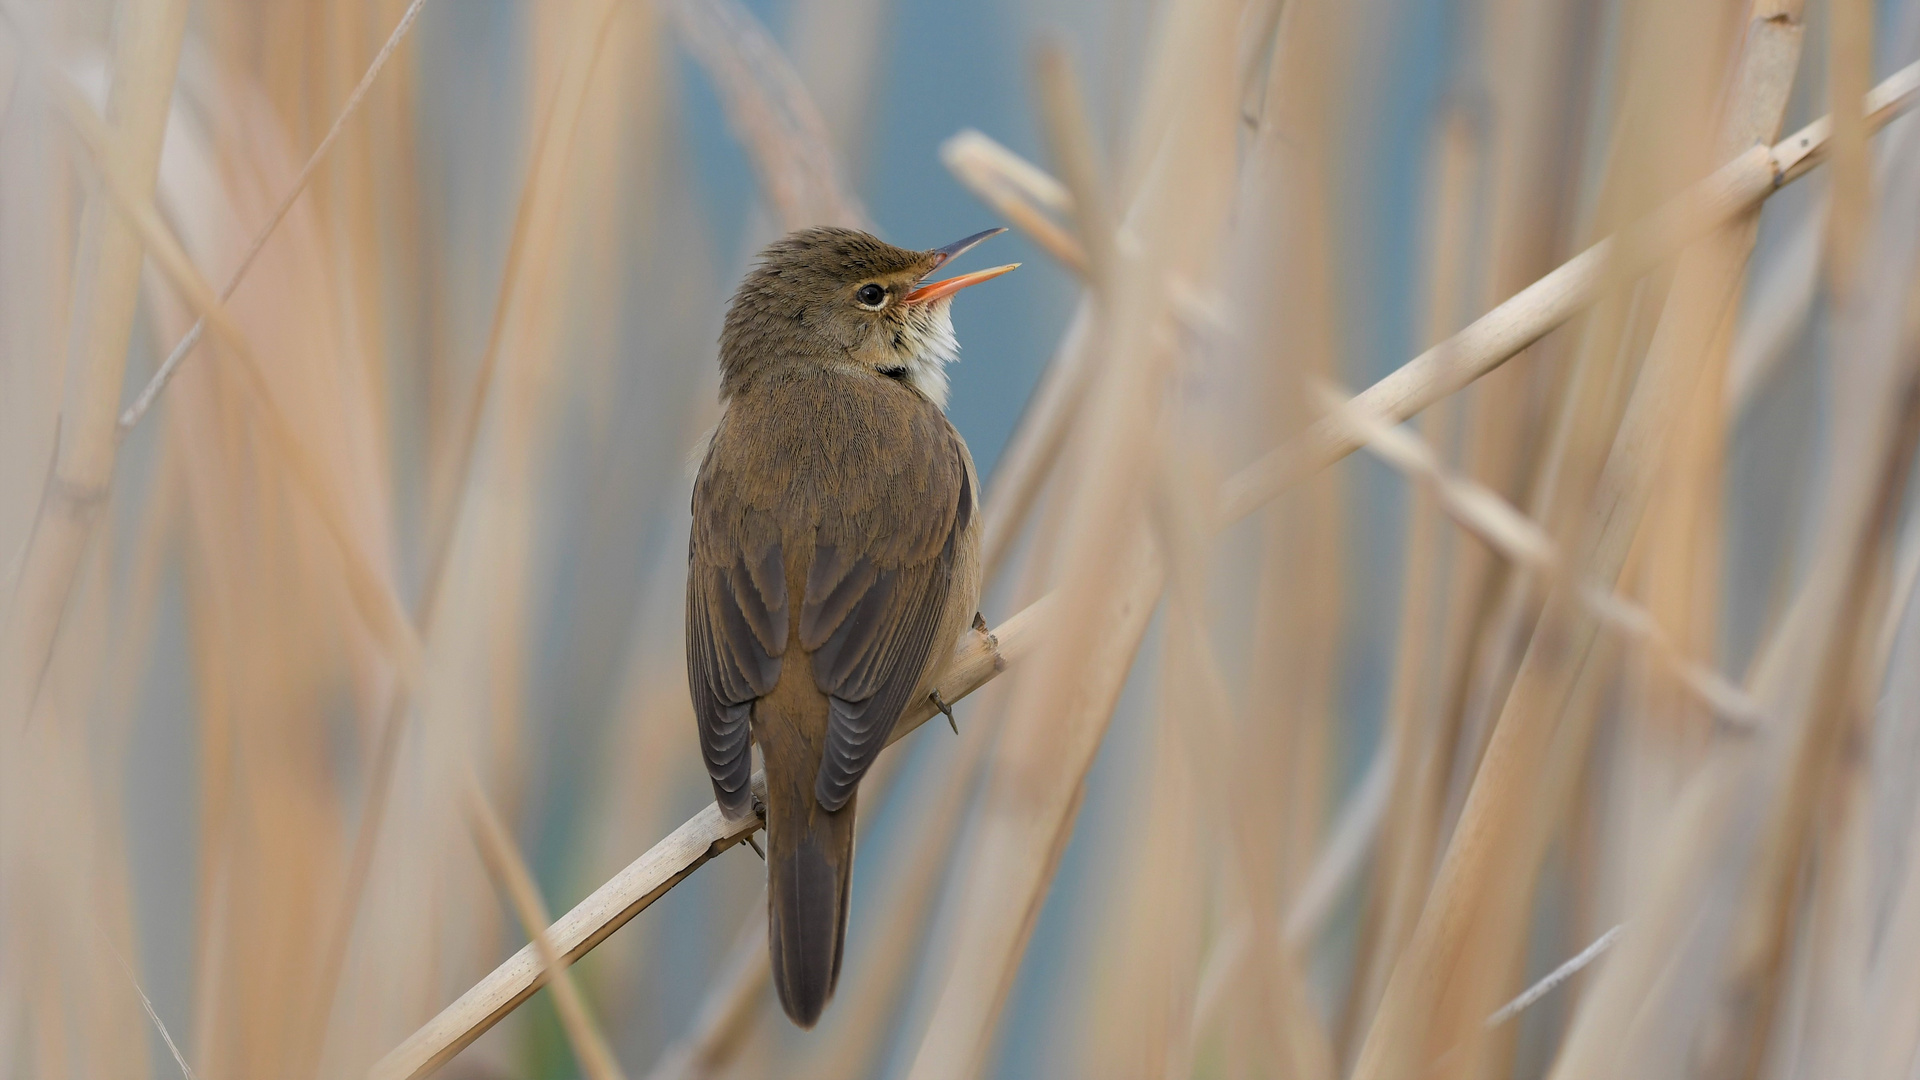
{"type": "Point", "coordinates": [871, 296]}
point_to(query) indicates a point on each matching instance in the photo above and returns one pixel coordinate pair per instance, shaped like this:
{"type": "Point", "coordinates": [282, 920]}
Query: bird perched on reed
{"type": "Point", "coordinates": [834, 558]}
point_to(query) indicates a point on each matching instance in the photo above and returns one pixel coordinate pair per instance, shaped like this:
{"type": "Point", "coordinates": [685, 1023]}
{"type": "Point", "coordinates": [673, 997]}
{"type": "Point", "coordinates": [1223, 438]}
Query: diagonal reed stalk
{"type": "Point", "coordinates": [157, 383]}
{"type": "Point", "coordinates": [510, 873]}
{"type": "Point", "coordinates": [1523, 541]}
{"type": "Point", "coordinates": [147, 40]}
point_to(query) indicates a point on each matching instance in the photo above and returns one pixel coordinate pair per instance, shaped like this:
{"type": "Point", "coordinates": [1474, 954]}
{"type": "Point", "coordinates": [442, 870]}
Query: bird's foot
{"type": "Point", "coordinates": [759, 811]}
{"type": "Point", "coordinates": [993, 640]}
{"type": "Point", "coordinates": [945, 710]}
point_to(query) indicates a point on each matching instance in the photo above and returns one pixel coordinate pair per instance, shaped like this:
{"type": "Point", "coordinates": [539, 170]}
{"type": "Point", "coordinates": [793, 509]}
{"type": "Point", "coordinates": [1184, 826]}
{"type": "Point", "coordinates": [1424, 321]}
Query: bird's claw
{"type": "Point", "coordinates": [946, 710]}
{"type": "Point", "coordinates": [759, 812]}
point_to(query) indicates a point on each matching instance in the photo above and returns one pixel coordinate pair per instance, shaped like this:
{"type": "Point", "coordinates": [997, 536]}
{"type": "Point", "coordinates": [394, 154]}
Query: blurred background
{"type": "Point", "coordinates": [353, 358]}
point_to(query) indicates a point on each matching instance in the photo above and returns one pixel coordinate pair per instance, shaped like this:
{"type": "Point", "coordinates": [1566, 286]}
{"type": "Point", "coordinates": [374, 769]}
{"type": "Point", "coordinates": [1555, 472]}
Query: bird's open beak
{"type": "Point", "coordinates": [942, 256]}
{"type": "Point", "coordinates": [928, 293]}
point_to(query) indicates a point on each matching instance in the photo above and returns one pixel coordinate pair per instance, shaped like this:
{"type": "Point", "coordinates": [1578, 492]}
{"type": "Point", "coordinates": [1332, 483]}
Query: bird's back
{"type": "Point", "coordinates": [862, 495]}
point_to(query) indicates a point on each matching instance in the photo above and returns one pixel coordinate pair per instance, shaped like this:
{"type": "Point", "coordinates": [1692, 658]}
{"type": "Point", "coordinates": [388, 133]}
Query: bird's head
{"type": "Point", "coordinates": [844, 298]}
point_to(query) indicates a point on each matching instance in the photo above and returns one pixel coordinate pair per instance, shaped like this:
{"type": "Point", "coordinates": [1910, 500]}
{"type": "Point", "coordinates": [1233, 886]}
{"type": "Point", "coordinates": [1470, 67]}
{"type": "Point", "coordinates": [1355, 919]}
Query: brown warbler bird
{"type": "Point", "coordinates": [834, 560]}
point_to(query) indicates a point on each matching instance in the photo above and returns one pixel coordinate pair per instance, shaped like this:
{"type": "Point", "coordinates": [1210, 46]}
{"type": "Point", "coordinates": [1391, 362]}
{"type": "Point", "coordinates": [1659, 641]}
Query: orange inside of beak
{"type": "Point", "coordinates": [931, 292]}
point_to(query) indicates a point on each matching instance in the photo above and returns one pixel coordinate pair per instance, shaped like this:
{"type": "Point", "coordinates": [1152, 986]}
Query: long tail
{"type": "Point", "coordinates": [809, 871]}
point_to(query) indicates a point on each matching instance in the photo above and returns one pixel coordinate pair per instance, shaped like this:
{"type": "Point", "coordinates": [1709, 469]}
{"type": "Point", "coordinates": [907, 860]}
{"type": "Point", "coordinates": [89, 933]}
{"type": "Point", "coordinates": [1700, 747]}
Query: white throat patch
{"type": "Point", "coordinates": [931, 346]}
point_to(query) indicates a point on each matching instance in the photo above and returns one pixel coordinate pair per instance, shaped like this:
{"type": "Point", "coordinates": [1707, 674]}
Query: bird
{"type": "Point", "coordinates": [834, 557]}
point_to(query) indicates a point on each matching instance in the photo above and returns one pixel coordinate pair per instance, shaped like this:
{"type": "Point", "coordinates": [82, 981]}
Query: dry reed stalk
{"type": "Point", "coordinates": [875, 980]}
{"type": "Point", "coordinates": [1840, 930]}
{"type": "Point", "coordinates": [878, 978]}
{"type": "Point", "coordinates": [517, 330]}
{"type": "Point", "coordinates": [1843, 689]}
{"type": "Point", "coordinates": [1664, 729]}
{"type": "Point", "coordinates": [1529, 174]}
{"type": "Point", "coordinates": [1414, 718]}
{"type": "Point", "coordinates": [728, 1014]}
{"type": "Point", "coordinates": [1673, 567]}
{"type": "Point", "coordinates": [1889, 986]}
{"type": "Point", "coordinates": [1013, 186]}
{"type": "Point", "coordinates": [1149, 965]}
{"type": "Point", "coordinates": [1340, 863]}
{"type": "Point", "coordinates": [1309, 551]}
{"type": "Point", "coordinates": [510, 873]}
{"type": "Point", "coordinates": [1153, 968]}
{"type": "Point", "coordinates": [585, 926]}
{"type": "Point", "coordinates": [1734, 189]}
{"type": "Point", "coordinates": [529, 251]}
{"type": "Point", "coordinates": [1783, 298]}
{"type": "Point", "coordinates": [146, 1005]}
{"type": "Point", "coordinates": [64, 855]}
{"type": "Point", "coordinates": [308, 470]}
{"type": "Point", "coordinates": [836, 48]}
{"type": "Point", "coordinates": [146, 51]}
{"type": "Point", "coordinates": [976, 661]}
{"type": "Point", "coordinates": [655, 733]}
{"type": "Point", "coordinates": [1706, 283]}
{"type": "Point", "coordinates": [771, 112]}
{"type": "Point", "coordinates": [1784, 294]}
{"type": "Point", "coordinates": [1518, 538]}
{"type": "Point", "coordinates": [158, 381]}
{"type": "Point", "coordinates": [71, 864]}
{"type": "Point", "coordinates": [1492, 936]}
{"type": "Point", "coordinates": [1290, 689]}
{"type": "Point", "coordinates": [1056, 723]}
{"type": "Point", "coordinates": [1681, 570]}
{"type": "Point", "coordinates": [38, 193]}
{"type": "Point", "coordinates": [1809, 668]}
{"type": "Point", "coordinates": [1493, 616]}
{"type": "Point", "coordinates": [1849, 72]}
{"type": "Point", "coordinates": [38, 203]}
{"type": "Point", "coordinates": [1614, 335]}
{"type": "Point", "coordinates": [347, 200]}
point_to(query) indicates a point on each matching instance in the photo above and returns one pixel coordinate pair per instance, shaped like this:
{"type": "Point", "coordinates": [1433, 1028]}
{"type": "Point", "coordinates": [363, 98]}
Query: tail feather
{"type": "Point", "coordinates": [809, 874]}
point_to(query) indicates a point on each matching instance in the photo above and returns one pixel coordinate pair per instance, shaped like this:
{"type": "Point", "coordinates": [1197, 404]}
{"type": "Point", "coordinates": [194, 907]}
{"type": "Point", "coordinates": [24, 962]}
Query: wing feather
{"type": "Point", "coordinates": [883, 535]}
{"type": "Point", "coordinates": [875, 626]}
{"type": "Point", "coordinates": [736, 635]}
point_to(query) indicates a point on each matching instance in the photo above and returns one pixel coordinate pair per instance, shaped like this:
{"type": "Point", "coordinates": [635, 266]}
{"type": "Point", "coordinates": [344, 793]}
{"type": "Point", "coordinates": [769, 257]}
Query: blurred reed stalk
{"type": "Point", "coordinates": [388, 584]}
